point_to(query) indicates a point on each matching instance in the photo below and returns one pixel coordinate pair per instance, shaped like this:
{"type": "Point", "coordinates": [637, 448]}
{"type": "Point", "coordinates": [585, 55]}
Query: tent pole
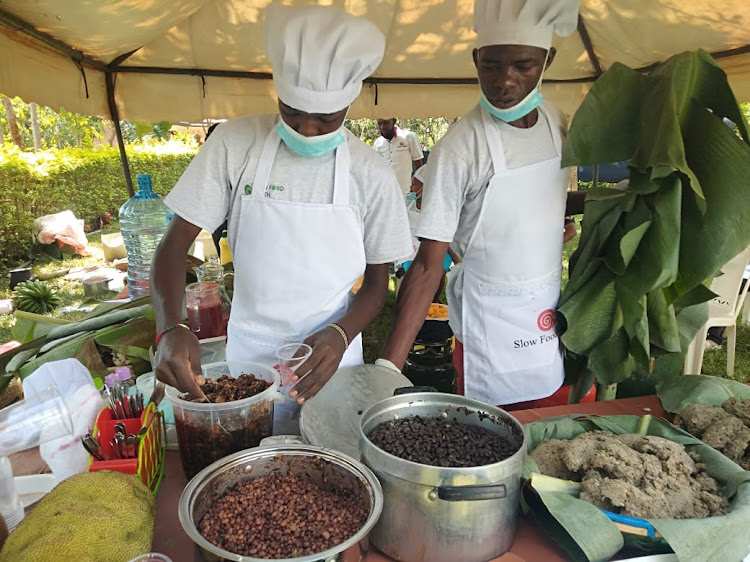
{"type": "Point", "coordinates": [110, 82]}
{"type": "Point", "coordinates": [595, 175]}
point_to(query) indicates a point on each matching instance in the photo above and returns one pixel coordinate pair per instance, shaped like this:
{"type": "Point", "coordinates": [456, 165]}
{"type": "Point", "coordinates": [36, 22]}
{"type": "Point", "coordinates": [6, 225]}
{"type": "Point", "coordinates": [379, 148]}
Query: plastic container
{"type": "Point", "coordinates": [208, 432]}
{"type": "Point", "coordinates": [152, 557]}
{"type": "Point", "coordinates": [224, 252]}
{"type": "Point", "coordinates": [37, 419]}
{"type": "Point", "coordinates": [143, 221]}
{"type": "Point", "coordinates": [149, 462]}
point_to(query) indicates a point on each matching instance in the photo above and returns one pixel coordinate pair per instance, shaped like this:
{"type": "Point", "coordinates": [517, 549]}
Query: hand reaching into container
{"type": "Point", "coordinates": [178, 361]}
{"type": "Point", "coordinates": [328, 347]}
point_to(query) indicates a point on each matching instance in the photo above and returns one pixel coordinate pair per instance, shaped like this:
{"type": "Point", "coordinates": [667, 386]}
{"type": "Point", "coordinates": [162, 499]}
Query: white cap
{"type": "Point", "coordinates": [523, 22]}
{"type": "Point", "coordinates": [320, 55]}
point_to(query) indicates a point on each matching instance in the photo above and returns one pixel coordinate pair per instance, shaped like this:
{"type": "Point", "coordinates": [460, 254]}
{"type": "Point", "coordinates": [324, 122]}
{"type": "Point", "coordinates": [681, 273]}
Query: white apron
{"type": "Point", "coordinates": [512, 272]}
{"type": "Point", "coordinates": [294, 264]}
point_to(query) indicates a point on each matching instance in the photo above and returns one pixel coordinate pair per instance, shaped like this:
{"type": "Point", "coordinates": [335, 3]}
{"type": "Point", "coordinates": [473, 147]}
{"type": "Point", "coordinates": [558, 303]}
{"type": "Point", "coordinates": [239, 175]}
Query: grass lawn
{"type": "Point", "coordinates": [71, 293]}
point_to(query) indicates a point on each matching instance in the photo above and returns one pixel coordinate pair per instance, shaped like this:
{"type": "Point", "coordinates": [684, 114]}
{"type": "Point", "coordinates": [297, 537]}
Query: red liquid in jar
{"type": "Point", "coordinates": [208, 321]}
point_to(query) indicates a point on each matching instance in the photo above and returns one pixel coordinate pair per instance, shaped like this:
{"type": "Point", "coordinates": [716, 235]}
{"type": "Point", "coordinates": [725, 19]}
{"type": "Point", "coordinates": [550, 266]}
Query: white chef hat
{"type": "Point", "coordinates": [320, 55]}
{"type": "Point", "coordinates": [523, 22]}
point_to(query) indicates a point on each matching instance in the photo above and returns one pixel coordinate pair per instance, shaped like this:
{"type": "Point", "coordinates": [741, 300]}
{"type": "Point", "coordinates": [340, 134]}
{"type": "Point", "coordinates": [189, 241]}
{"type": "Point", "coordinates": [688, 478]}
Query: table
{"type": "Point", "coordinates": [530, 544]}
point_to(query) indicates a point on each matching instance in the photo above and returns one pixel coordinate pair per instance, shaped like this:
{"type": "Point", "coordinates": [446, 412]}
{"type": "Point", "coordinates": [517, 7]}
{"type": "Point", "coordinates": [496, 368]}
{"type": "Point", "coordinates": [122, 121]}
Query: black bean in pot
{"type": "Point", "coordinates": [441, 442]}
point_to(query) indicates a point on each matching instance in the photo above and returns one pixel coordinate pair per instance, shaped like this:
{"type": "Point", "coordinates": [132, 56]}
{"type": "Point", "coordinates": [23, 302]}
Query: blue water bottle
{"type": "Point", "coordinates": [143, 221]}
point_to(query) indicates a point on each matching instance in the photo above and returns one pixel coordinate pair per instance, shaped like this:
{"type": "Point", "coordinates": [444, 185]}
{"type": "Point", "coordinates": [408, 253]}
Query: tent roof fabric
{"type": "Point", "coordinates": [197, 59]}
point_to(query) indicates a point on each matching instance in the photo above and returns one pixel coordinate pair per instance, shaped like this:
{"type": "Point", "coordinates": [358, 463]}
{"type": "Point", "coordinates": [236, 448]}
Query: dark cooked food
{"type": "Point", "coordinates": [636, 475]}
{"type": "Point", "coordinates": [207, 436]}
{"type": "Point", "coordinates": [281, 517]}
{"type": "Point", "coordinates": [228, 389]}
{"type": "Point", "coordinates": [441, 442]}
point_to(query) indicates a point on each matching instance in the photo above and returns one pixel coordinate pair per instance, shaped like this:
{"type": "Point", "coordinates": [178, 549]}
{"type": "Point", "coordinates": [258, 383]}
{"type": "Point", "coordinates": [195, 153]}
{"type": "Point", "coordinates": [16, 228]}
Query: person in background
{"type": "Point", "coordinates": [569, 229]}
{"type": "Point", "coordinates": [310, 209]}
{"type": "Point", "coordinates": [495, 193]}
{"type": "Point", "coordinates": [401, 148]}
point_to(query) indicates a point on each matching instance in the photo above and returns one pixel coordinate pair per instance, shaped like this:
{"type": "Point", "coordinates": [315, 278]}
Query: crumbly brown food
{"type": "Point", "coordinates": [725, 428]}
{"type": "Point", "coordinates": [548, 457]}
{"type": "Point", "coordinates": [282, 517]}
{"type": "Point", "coordinates": [637, 475]}
{"type": "Point", "coordinates": [228, 389]}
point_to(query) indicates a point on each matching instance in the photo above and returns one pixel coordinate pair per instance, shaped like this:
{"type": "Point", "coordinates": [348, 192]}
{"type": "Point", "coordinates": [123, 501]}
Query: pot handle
{"type": "Point", "coordinates": [472, 492]}
{"type": "Point", "coordinates": [413, 389]}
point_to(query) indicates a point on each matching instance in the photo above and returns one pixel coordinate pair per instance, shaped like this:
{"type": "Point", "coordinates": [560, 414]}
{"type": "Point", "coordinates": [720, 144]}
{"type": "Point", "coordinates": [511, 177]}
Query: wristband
{"type": "Point", "coordinates": [341, 331]}
{"type": "Point", "coordinates": [160, 335]}
{"type": "Point", "coordinates": [387, 364]}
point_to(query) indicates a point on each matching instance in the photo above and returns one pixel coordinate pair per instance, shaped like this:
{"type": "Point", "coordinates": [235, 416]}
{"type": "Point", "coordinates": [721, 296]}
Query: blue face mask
{"type": "Point", "coordinates": [310, 146]}
{"type": "Point", "coordinates": [521, 109]}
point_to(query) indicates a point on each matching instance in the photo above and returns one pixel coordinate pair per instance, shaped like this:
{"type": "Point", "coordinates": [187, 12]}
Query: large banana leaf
{"type": "Point", "coordinates": [29, 326]}
{"type": "Point", "coordinates": [589, 535]}
{"type": "Point", "coordinates": [650, 247]}
{"type": "Point", "coordinates": [677, 392]}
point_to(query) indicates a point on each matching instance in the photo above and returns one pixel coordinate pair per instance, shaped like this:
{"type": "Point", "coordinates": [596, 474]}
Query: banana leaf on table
{"type": "Point", "coordinates": [585, 533]}
{"type": "Point", "coordinates": [677, 392]}
{"type": "Point", "coordinates": [649, 248]}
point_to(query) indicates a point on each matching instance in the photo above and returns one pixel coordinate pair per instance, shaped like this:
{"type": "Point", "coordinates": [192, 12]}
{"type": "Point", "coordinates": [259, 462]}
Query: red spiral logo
{"type": "Point", "coordinates": [546, 320]}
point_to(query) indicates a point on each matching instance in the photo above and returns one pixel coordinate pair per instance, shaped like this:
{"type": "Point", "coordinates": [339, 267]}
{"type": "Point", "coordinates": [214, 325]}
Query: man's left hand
{"type": "Point", "coordinates": [327, 350]}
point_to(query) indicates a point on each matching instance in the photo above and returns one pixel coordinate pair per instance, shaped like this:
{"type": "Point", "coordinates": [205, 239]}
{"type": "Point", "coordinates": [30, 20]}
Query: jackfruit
{"type": "Point", "coordinates": [100, 516]}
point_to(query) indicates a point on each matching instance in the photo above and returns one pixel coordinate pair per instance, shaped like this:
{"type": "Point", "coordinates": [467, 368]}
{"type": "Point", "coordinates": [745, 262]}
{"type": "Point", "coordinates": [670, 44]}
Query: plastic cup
{"type": "Point", "coordinates": [290, 357]}
{"type": "Point", "coordinates": [151, 557]}
{"type": "Point", "coordinates": [39, 418]}
{"type": "Point", "coordinates": [204, 309]}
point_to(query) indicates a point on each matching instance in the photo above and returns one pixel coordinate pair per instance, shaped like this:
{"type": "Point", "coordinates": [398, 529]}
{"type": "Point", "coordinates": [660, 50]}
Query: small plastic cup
{"type": "Point", "coordinates": [290, 357]}
{"type": "Point", "coordinates": [37, 419]}
{"type": "Point", "coordinates": [205, 310]}
{"type": "Point", "coordinates": [151, 557]}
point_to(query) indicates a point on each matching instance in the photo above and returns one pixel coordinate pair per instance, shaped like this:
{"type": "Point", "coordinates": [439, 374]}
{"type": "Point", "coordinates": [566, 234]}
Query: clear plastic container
{"type": "Point", "coordinates": [208, 432]}
{"type": "Point", "coordinates": [143, 221]}
{"type": "Point", "coordinates": [37, 419]}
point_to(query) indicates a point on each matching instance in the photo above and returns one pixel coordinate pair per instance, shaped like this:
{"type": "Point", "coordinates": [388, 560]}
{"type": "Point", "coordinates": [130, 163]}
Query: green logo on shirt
{"type": "Point", "coordinates": [249, 189]}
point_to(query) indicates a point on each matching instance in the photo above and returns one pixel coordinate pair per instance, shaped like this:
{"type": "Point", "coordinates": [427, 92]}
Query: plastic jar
{"type": "Point", "coordinates": [208, 432]}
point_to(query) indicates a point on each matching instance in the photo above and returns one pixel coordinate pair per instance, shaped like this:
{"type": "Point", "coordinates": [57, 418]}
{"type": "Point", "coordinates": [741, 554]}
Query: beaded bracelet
{"type": "Point", "coordinates": [341, 331]}
{"type": "Point", "coordinates": [160, 335]}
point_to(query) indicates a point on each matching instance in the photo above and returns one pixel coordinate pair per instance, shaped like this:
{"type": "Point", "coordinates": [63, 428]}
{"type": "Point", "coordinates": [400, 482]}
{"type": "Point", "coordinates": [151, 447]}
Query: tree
{"type": "Point", "coordinates": [12, 122]}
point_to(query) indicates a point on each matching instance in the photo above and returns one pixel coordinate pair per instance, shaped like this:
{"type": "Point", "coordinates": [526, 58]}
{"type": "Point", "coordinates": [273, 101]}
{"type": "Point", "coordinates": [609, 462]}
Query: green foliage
{"type": "Point", "coordinates": [86, 181]}
{"type": "Point", "coordinates": [637, 290]}
{"type": "Point", "coordinates": [428, 130]}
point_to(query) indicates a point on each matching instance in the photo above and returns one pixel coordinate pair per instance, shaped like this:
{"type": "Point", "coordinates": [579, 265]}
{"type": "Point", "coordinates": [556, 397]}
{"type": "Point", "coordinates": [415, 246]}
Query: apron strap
{"type": "Point", "coordinates": [265, 163]}
{"type": "Point", "coordinates": [341, 175]}
{"type": "Point", "coordinates": [494, 142]}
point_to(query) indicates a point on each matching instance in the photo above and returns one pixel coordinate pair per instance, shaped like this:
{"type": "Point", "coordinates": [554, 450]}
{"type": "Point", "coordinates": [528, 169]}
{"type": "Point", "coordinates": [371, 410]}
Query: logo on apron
{"type": "Point", "coordinates": [546, 320]}
{"type": "Point", "coordinates": [249, 189]}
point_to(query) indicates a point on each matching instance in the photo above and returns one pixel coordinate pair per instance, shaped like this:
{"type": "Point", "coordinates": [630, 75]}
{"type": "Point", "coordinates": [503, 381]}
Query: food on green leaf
{"type": "Point", "coordinates": [641, 476]}
{"type": "Point", "coordinates": [36, 297]}
{"type": "Point", "coordinates": [95, 516]}
{"type": "Point", "coordinates": [725, 428]}
{"type": "Point", "coordinates": [650, 247]}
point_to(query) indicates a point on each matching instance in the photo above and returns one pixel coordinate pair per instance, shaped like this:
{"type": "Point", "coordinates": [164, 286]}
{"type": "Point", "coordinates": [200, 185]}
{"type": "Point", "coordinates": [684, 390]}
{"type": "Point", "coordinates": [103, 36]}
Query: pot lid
{"type": "Point", "coordinates": [331, 418]}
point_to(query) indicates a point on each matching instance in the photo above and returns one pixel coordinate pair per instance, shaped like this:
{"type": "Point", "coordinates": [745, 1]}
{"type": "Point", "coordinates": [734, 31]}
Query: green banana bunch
{"type": "Point", "coordinates": [36, 297]}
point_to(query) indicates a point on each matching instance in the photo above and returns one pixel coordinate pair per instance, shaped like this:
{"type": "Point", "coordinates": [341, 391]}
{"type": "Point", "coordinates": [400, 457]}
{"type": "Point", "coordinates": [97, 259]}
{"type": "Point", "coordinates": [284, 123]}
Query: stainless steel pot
{"type": "Point", "coordinates": [436, 514]}
{"type": "Point", "coordinates": [329, 469]}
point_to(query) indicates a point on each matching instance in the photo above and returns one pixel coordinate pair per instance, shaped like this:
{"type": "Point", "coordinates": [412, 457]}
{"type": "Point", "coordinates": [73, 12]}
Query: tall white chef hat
{"type": "Point", "coordinates": [523, 22]}
{"type": "Point", "coordinates": [320, 55]}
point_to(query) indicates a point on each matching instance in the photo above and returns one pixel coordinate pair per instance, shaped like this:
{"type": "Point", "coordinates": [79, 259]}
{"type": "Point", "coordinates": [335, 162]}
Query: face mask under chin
{"type": "Point", "coordinates": [311, 147]}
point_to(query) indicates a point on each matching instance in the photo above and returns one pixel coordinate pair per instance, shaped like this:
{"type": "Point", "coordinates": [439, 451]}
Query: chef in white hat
{"type": "Point", "coordinates": [310, 209]}
{"type": "Point", "coordinates": [495, 193]}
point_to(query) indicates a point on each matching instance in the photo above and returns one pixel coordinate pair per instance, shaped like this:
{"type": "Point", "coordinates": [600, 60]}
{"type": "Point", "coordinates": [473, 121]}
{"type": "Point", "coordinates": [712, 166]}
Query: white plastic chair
{"type": "Point", "coordinates": [722, 311]}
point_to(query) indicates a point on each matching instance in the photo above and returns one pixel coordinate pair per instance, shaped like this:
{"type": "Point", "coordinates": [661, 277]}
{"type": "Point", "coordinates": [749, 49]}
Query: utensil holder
{"type": "Point", "coordinates": [151, 450]}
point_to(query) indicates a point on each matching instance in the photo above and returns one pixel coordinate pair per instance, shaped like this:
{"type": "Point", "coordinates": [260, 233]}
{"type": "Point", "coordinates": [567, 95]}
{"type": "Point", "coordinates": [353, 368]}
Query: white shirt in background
{"type": "Point", "coordinates": [400, 152]}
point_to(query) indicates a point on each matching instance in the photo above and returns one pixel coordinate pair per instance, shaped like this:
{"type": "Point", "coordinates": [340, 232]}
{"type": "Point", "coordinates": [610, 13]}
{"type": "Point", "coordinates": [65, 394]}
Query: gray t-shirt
{"type": "Point", "coordinates": [456, 178]}
{"type": "Point", "coordinates": [209, 190]}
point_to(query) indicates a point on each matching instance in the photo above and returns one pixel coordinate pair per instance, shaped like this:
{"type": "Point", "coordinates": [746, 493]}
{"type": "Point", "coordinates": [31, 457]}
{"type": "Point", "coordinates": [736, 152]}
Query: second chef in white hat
{"type": "Point", "coordinates": [310, 209]}
{"type": "Point", "coordinates": [495, 194]}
